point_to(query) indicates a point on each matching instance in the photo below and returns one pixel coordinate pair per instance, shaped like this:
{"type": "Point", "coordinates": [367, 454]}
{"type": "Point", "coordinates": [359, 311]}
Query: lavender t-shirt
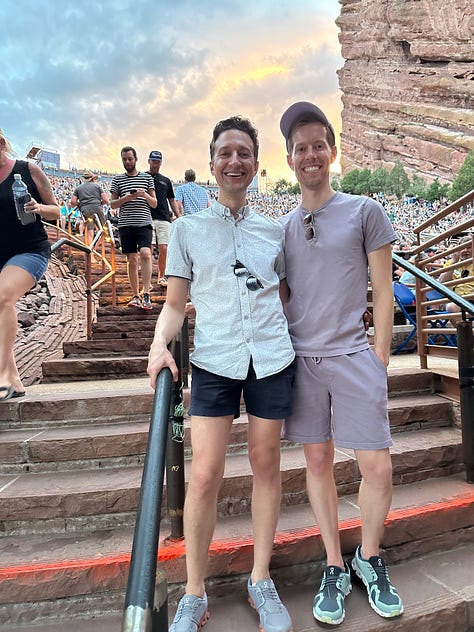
{"type": "Point", "coordinates": [328, 275]}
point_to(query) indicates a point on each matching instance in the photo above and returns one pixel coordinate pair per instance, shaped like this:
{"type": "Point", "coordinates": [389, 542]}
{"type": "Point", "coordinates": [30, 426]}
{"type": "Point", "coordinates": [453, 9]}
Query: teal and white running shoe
{"type": "Point", "coordinates": [383, 596]}
{"type": "Point", "coordinates": [328, 604]}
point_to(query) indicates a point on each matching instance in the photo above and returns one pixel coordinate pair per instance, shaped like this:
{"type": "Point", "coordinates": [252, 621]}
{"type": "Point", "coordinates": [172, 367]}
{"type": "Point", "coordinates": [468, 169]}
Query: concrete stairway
{"type": "Point", "coordinates": [70, 468]}
{"type": "Point", "coordinates": [121, 338]}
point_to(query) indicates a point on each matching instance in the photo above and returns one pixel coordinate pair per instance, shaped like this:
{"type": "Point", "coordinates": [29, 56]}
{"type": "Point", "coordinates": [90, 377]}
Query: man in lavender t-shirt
{"type": "Point", "coordinates": [332, 240]}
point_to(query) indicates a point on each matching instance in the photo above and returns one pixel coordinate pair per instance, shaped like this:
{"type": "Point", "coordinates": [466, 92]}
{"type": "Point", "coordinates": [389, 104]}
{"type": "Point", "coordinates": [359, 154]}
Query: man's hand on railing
{"type": "Point", "coordinates": [159, 358]}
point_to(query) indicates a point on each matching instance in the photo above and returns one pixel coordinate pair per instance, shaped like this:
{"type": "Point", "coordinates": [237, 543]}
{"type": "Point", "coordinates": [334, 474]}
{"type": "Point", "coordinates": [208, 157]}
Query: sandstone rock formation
{"type": "Point", "coordinates": [407, 84]}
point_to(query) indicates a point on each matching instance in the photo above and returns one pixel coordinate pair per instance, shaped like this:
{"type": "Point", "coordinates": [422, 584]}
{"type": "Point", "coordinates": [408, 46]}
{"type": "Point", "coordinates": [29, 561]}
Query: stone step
{"type": "Point", "coordinates": [85, 574]}
{"type": "Point", "coordinates": [69, 369]}
{"type": "Point", "coordinates": [437, 591]}
{"type": "Point", "coordinates": [70, 406]}
{"type": "Point", "coordinates": [87, 499]}
{"type": "Point", "coordinates": [46, 447]}
{"type": "Point", "coordinates": [109, 346]}
{"type": "Point", "coordinates": [118, 327]}
{"type": "Point", "coordinates": [128, 313]}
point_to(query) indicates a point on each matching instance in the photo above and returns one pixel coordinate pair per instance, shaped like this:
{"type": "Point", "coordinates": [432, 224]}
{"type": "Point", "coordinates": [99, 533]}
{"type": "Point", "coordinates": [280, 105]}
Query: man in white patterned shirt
{"type": "Point", "coordinates": [230, 260]}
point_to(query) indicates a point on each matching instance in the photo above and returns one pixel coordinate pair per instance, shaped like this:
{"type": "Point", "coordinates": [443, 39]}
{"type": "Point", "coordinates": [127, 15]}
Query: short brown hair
{"type": "Point", "coordinates": [126, 149]}
{"type": "Point", "coordinates": [238, 123]}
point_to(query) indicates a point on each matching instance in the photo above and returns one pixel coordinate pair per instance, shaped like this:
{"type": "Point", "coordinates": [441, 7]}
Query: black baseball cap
{"type": "Point", "coordinates": [155, 155]}
{"type": "Point", "coordinates": [299, 110]}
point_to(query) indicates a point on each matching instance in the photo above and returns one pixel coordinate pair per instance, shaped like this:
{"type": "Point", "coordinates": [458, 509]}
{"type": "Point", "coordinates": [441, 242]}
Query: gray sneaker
{"type": "Point", "coordinates": [264, 598]}
{"type": "Point", "coordinates": [146, 304]}
{"type": "Point", "coordinates": [191, 615]}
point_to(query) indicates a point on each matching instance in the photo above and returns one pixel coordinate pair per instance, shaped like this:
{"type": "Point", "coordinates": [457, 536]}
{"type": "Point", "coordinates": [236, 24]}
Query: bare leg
{"type": "Point", "coordinates": [322, 495]}
{"type": "Point", "coordinates": [14, 282]}
{"type": "Point", "coordinates": [89, 236]}
{"type": "Point", "coordinates": [264, 456]}
{"type": "Point", "coordinates": [132, 269]}
{"type": "Point", "coordinates": [162, 251]}
{"type": "Point", "coordinates": [375, 497]}
{"type": "Point", "coordinates": [209, 438]}
{"type": "Point", "coordinates": [146, 269]}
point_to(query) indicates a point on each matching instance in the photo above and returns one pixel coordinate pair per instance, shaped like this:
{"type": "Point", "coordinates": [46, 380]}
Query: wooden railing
{"type": "Point", "coordinates": [100, 253]}
{"type": "Point", "coordinates": [460, 216]}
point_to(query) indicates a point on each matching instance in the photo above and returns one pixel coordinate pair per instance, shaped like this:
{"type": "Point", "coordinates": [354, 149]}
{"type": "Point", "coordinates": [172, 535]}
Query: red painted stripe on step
{"type": "Point", "coordinates": [175, 550]}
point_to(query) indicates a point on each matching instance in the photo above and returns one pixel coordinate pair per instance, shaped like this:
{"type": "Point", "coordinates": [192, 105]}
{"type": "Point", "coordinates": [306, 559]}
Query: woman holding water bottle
{"type": "Point", "coordinates": [24, 250]}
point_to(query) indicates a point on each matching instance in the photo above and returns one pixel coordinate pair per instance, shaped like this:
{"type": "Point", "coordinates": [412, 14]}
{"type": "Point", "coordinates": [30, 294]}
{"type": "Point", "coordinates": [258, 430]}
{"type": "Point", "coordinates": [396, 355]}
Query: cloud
{"type": "Point", "coordinates": [99, 75]}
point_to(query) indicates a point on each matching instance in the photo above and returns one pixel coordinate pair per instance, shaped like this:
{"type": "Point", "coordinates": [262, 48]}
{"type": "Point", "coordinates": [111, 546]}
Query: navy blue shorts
{"type": "Point", "coordinates": [133, 238]}
{"type": "Point", "coordinates": [216, 396]}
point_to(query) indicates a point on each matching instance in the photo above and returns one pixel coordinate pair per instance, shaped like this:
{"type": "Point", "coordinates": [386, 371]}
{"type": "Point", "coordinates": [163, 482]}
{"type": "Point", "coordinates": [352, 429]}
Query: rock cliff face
{"type": "Point", "coordinates": [407, 84]}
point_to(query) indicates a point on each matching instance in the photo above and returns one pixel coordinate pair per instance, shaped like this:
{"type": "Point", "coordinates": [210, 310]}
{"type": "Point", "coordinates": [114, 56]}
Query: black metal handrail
{"type": "Point", "coordinates": [146, 600]}
{"type": "Point", "coordinates": [141, 614]}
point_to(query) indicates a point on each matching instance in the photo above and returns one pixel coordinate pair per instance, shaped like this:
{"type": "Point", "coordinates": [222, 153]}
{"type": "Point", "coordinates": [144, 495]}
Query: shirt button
{"type": "Point", "coordinates": [247, 339]}
{"type": "Point", "coordinates": [246, 317]}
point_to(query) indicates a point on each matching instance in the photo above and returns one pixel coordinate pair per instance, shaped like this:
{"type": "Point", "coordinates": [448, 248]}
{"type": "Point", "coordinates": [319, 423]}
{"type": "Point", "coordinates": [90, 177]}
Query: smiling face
{"type": "Point", "coordinates": [233, 165]}
{"type": "Point", "coordinates": [311, 156]}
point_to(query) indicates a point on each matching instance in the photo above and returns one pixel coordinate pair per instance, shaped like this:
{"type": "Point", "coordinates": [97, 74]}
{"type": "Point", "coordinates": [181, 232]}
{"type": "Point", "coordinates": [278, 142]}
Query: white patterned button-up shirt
{"type": "Point", "coordinates": [233, 324]}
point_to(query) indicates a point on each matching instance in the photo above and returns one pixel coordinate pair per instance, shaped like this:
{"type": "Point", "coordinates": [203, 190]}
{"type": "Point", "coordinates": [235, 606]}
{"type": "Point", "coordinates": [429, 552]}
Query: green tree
{"type": "Point", "coordinates": [417, 187]}
{"type": "Point", "coordinates": [283, 186]}
{"type": "Point", "coordinates": [363, 186]}
{"type": "Point", "coordinates": [350, 180]}
{"type": "Point", "coordinates": [433, 192]}
{"type": "Point", "coordinates": [295, 189]}
{"type": "Point", "coordinates": [464, 181]}
{"type": "Point", "coordinates": [335, 181]}
{"type": "Point", "coordinates": [378, 180]}
{"type": "Point", "coordinates": [398, 181]}
{"type": "Point", "coordinates": [445, 189]}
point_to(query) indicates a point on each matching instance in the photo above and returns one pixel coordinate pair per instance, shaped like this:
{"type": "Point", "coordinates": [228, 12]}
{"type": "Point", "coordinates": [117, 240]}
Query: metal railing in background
{"type": "Point", "coordinates": [459, 216]}
{"type": "Point", "coordinates": [103, 237]}
{"type": "Point", "coordinates": [146, 600]}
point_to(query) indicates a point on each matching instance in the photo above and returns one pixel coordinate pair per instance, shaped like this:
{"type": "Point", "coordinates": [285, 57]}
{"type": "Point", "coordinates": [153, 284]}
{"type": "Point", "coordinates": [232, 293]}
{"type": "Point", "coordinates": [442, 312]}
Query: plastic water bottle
{"type": "Point", "coordinates": [21, 197]}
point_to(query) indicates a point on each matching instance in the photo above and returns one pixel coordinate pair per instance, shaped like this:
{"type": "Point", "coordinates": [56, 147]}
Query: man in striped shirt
{"type": "Point", "coordinates": [133, 192]}
{"type": "Point", "coordinates": [191, 197]}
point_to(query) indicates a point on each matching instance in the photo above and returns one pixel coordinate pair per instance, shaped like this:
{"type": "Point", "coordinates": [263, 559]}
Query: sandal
{"type": "Point", "coordinates": [9, 393]}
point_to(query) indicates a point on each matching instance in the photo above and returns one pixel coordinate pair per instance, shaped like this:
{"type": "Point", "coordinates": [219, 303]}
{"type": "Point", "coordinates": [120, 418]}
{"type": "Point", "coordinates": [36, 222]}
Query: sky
{"type": "Point", "coordinates": [86, 78]}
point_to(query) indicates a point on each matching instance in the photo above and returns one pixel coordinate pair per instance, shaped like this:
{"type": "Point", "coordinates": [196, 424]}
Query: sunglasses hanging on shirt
{"type": "Point", "coordinates": [251, 281]}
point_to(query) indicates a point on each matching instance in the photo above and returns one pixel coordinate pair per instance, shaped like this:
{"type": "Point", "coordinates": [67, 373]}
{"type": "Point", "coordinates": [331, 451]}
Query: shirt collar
{"type": "Point", "coordinates": [225, 213]}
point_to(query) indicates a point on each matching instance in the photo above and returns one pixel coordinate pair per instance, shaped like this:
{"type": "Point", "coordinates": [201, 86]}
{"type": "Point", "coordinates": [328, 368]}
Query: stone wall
{"type": "Point", "coordinates": [408, 85]}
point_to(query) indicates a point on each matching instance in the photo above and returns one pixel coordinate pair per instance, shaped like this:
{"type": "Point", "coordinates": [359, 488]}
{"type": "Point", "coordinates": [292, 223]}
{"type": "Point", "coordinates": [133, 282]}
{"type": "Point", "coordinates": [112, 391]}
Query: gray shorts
{"type": "Point", "coordinates": [342, 398]}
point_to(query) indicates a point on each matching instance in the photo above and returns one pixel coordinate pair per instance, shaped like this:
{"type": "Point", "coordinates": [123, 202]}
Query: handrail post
{"type": "Point", "coordinates": [175, 484]}
{"type": "Point", "coordinates": [88, 296]}
{"type": "Point", "coordinates": [466, 393]}
{"type": "Point", "coordinates": [185, 352]}
{"type": "Point", "coordinates": [145, 608]}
